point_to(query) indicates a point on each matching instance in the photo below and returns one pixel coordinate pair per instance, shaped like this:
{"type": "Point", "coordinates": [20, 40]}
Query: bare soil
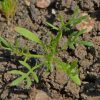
{"type": "Point", "coordinates": [57, 85]}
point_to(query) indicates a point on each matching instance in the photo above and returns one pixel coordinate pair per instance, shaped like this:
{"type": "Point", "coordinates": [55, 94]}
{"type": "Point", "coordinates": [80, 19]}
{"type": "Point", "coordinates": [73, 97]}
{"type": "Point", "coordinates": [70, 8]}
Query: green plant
{"type": "Point", "coordinates": [68, 27]}
{"type": "Point", "coordinates": [19, 51]}
{"type": "Point", "coordinates": [8, 7]}
{"type": "Point", "coordinates": [25, 76]}
{"type": "Point", "coordinates": [14, 48]}
{"type": "Point", "coordinates": [49, 57]}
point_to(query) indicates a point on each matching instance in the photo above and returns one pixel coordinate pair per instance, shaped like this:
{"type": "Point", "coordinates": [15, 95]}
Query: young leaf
{"type": "Point", "coordinates": [71, 45]}
{"type": "Point", "coordinates": [78, 20]}
{"type": "Point", "coordinates": [55, 41]}
{"type": "Point", "coordinates": [74, 64]}
{"type": "Point", "coordinates": [16, 72]}
{"type": "Point", "coordinates": [76, 79]}
{"type": "Point", "coordinates": [37, 66]}
{"type": "Point", "coordinates": [86, 43]}
{"type": "Point", "coordinates": [35, 76]}
{"type": "Point", "coordinates": [25, 65]}
{"type": "Point", "coordinates": [18, 80]}
{"type": "Point", "coordinates": [27, 34]}
{"type": "Point", "coordinates": [29, 82]}
{"type": "Point", "coordinates": [34, 55]}
{"type": "Point", "coordinates": [80, 32]}
{"type": "Point", "coordinates": [70, 71]}
{"type": "Point", "coordinates": [5, 43]}
{"type": "Point", "coordinates": [52, 26]}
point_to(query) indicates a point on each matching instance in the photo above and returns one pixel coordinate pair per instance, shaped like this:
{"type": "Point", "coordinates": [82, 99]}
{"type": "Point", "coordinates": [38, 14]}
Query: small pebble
{"type": "Point", "coordinates": [42, 3]}
{"type": "Point", "coordinates": [87, 24]}
{"type": "Point", "coordinates": [42, 96]}
{"type": "Point", "coordinates": [53, 11]}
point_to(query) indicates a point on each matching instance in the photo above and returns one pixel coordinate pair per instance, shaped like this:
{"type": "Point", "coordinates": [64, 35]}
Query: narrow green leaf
{"type": "Point", "coordinates": [81, 32]}
{"type": "Point", "coordinates": [16, 72]}
{"type": "Point", "coordinates": [74, 64]}
{"type": "Point", "coordinates": [55, 41]}
{"type": "Point", "coordinates": [78, 20]}
{"type": "Point", "coordinates": [35, 76]}
{"type": "Point", "coordinates": [69, 70]}
{"type": "Point", "coordinates": [52, 26]}
{"type": "Point", "coordinates": [74, 16]}
{"type": "Point", "coordinates": [37, 66]}
{"type": "Point", "coordinates": [78, 34]}
{"type": "Point", "coordinates": [71, 45]}
{"type": "Point", "coordinates": [86, 43]}
{"type": "Point", "coordinates": [34, 55]}
{"type": "Point", "coordinates": [27, 34]}
{"type": "Point", "coordinates": [73, 68]}
{"type": "Point", "coordinates": [5, 43]}
{"type": "Point", "coordinates": [62, 65]}
{"type": "Point", "coordinates": [17, 81]}
{"type": "Point", "coordinates": [25, 65]}
{"type": "Point", "coordinates": [73, 34]}
{"type": "Point", "coordinates": [29, 82]}
{"type": "Point", "coordinates": [76, 79]}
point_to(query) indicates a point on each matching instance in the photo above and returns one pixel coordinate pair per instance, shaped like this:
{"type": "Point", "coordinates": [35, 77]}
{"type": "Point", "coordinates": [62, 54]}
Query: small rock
{"type": "Point", "coordinates": [43, 3]}
{"type": "Point", "coordinates": [53, 11]}
{"type": "Point", "coordinates": [87, 24]}
{"type": "Point", "coordinates": [83, 96]}
{"type": "Point", "coordinates": [42, 96]}
{"type": "Point", "coordinates": [36, 94]}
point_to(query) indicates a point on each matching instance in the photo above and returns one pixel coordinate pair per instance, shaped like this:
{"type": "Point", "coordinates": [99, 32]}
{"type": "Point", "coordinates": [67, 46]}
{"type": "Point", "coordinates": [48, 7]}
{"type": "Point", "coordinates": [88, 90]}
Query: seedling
{"type": "Point", "coordinates": [8, 7]}
{"type": "Point", "coordinates": [68, 27]}
{"type": "Point", "coordinates": [14, 48]}
{"type": "Point", "coordinates": [49, 57]}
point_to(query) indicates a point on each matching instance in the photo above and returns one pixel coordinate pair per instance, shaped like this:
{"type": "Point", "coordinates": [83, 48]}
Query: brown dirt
{"type": "Point", "coordinates": [57, 85]}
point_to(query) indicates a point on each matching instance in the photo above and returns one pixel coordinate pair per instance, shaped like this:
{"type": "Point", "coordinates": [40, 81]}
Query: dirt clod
{"type": "Point", "coordinates": [33, 15]}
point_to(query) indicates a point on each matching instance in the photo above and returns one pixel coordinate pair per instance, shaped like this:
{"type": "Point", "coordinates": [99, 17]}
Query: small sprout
{"type": "Point", "coordinates": [8, 7]}
{"type": "Point", "coordinates": [87, 24]}
{"type": "Point", "coordinates": [49, 57]}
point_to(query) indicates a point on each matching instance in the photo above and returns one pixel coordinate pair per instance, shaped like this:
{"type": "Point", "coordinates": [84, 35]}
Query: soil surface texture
{"type": "Point", "coordinates": [56, 85]}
